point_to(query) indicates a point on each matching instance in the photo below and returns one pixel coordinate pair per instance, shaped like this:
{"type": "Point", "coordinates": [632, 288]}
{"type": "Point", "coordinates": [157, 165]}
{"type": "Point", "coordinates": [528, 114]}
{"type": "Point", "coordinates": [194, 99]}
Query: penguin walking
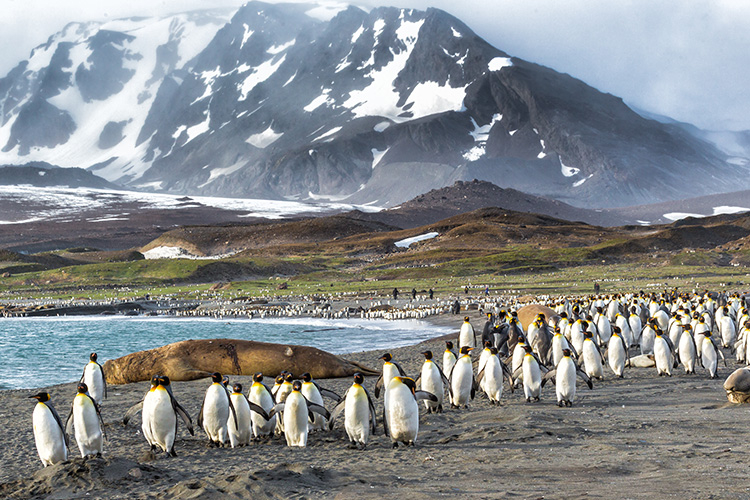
{"type": "Point", "coordinates": [617, 352]}
{"type": "Point", "coordinates": [559, 344]}
{"type": "Point", "coordinates": [433, 380]}
{"type": "Point", "coordinates": [400, 411]}
{"type": "Point", "coordinates": [466, 335]}
{"type": "Point", "coordinates": [449, 357]}
{"type": "Point", "coordinates": [462, 386]}
{"type": "Point", "coordinates": [49, 435]}
{"type": "Point", "coordinates": [687, 350]}
{"type": "Point", "coordinates": [390, 369]}
{"type": "Point", "coordinates": [93, 377]}
{"type": "Point", "coordinates": [360, 421]}
{"type": "Point", "coordinates": [160, 410]}
{"type": "Point", "coordinates": [491, 376]}
{"type": "Point", "coordinates": [663, 354]}
{"type": "Point", "coordinates": [728, 331]}
{"type": "Point", "coordinates": [86, 419]}
{"type": "Point", "coordinates": [314, 393]}
{"type": "Point", "coordinates": [531, 369]}
{"type": "Point", "coordinates": [710, 355]}
{"type": "Point", "coordinates": [261, 396]}
{"type": "Point", "coordinates": [564, 376]}
{"type": "Point", "coordinates": [648, 334]}
{"type": "Point", "coordinates": [296, 411]}
{"type": "Point", "coordinates": [244, 409]}
{"type": "Point", "coordinates": [284, 389]}
{"type": "Point", "coordinates": [215, 412]}
{"type": "Point", "coordinates": [593, 360]}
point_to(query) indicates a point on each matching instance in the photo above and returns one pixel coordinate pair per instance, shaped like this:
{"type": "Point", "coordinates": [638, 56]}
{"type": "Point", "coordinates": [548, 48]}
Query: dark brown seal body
{"type": "Point", "coordinates": [193, 359]}
{"type": "Point", "coordinates": [528, 313]}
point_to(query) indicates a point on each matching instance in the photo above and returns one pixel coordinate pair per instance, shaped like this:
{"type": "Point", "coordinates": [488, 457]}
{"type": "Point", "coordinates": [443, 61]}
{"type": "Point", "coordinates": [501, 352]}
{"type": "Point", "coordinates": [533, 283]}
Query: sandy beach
{"type": "Point", "coordinates": [643, 436]}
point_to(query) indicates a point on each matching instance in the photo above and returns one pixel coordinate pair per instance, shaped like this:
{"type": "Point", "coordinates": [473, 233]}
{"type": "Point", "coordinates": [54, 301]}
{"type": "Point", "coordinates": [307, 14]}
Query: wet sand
{"type": "Point", "coordinates": [643, 436]}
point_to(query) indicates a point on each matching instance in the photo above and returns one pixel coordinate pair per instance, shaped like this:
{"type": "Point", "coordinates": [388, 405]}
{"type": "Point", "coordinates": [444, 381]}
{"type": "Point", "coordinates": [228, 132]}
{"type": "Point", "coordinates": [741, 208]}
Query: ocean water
{"type": "Point", "coordinates": [37, 352]}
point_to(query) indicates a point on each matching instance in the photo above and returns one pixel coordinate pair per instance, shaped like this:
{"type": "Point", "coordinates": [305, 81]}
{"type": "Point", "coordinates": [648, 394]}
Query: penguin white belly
{"type": "Point", "coordinates": [565, 381]}
{"type": "Point", "coordinates": [86, 423]}
{"type": "Point", "coordinates": [687, 352]}
{"type": "Point", "coordinates": [558, 344]}
{"type": "Point", "coordinates": [402, 414]}
{"type": "Point", "coordinates": [147, 415]}
{"type": "Point", "coordinates": [295, 420]}
{"type": "Point", "coordinates": [576, 337]}
{"type": "Point", "coordinates": [431, 381]}
{"type": "Point", "coordinates": [281, 395]}
{"type": "Point", "coordinates": [449, 359]}
{"type": "Point", "coordinates": [493, 379]}
{"type": "Point", "coordinates": [728, 331]}
{"type": "Point", "coordinates": [591, 360]}
{"type": "Point", "coordinates": [647, 340]}
{"type": "Point", "coordinates": [625, 330]}
{"type": "Point", "coordinates": [605, 329]}
{"type": "Point", "coordinates": [517, 361]}
{"type": "Point", "coordinates": [461, 381]}
{"type": "Point", "coordinates": [261, 426]}
{"type": "Point", "coordinates": [466, 336]}
{"type": "Point", "coordinates": [313, 395]}
{"type": "Point", "coordinates": [635, 328]}
{"type": "Point", "coordinates": [710, 358]}
{"type": "Point", "coordinates": [357, 416]}
{"type": "Point", "coordinates": [163, 423]}
{"type": "Point", "coordinates": [662, 357]}
{"type": "Point", "coordinates": [216, 413]}
{"type": "Point", "coordinates": [532, 378]}
{"type": "Point", "coordinates": [50, 442]}
{"type": "Point", "coordinates": [241, 436]}
{"type": "Point", "coordinates": [94, 380]}
{"type": "Point", "coordinates": [616, 356]}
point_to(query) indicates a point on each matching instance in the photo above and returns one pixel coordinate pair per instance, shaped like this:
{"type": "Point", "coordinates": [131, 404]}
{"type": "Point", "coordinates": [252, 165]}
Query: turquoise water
{"type": "Point", "coordinates": [38, 352]}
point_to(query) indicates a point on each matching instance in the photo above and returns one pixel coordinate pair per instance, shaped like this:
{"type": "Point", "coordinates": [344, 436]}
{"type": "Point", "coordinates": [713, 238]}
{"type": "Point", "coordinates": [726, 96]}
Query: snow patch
{"type": "Point", "coordinates": [327, 134]}
{"type": "Point", "coordinates": [725, 209]}
{"type": "Point", "coordinates": [324, 98]}
{"type": "Point", "coordinates": [260, 74]}
{"type": "Point", "coordinates": [673, 216]}
{"type": "Point", "coordinates": [377, 156]}
{"type": "Point", "coordinates": [456, 33]}
{"type": "Point", "coordinates": [263, 139]}
{"type": "Point", "coordinates": [326, 11]}
{"type": "Point", "coordinates": [578, 183]}
{"type": "Point", "coordinates": [480, 135]}
{"type": "Point", "coordinates": [280, 48]}
{"type": "Point", "coordinates": [568, 171]}
{"type": "Point", "coordinates": [406, 243]}
{"type": "Point", "coordinates": [499, 63]}
{"type": "Point", "coordinates": [380, 127]}
{"type": "Point", "coordinates": [357, 34]}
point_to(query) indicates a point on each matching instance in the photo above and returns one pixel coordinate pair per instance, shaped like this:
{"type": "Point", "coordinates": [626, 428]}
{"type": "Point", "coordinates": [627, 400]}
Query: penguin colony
{"type": "Point", "coordinates": [582, 340]}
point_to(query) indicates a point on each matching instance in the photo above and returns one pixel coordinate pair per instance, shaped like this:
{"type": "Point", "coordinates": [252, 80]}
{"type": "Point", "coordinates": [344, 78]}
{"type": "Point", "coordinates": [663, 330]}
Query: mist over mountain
{"type": "Point", "coordinates": [280, 102]}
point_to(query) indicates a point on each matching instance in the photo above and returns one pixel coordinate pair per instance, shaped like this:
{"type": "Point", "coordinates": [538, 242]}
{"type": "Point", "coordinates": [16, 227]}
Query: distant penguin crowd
{"type": "Point", "coordinates": [579, 338]}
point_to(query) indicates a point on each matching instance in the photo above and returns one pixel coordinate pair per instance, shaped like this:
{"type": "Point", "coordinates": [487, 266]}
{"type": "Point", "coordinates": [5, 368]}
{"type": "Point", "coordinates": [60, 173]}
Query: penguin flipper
{"type": "Point", "coordinates": [329, 394]}
{"type": "Point", "coordinates": [258, 409]}
{"type": "Point", "coordinates": [507, 375]}
{"type": "Point", "coordinates": [425, 395]}
{"type": "Point", "coordinates": [385, 423]}
{"type": "Point", "coordinates": [400, 370]}
{"type": "Point", "coordinates": [98, 414]}
{"type": "Point", "coordinates": [104, 380]}
{"type": "Point", "coordinates": [585, 378]}
{"type": "Point", "coordinates": [59, 422]}
{"type": "Point", "coordinates": [373, 414]}
{"type": "Point", "coordinates": [480, 376]}
{"type": "Point", "coordinates": [184, 416]}
{"type": "Point", "coordinates": [378, 385]}
{"type": "Point", "coordinates": [550, 375]}
{"type": "Point", "coordinates": [200, 415]}
{"type": "Point", "coordinates": [335, 413]}
{"type": "Point", "coordinates": [316, 408]}
{"type": "Point", "coordinates": [69, 422]}
{"type": "Point", "coordinates": [442, 375]}
{"type": "Point", "coordinates": [278, 408]}
{"type": "Point", "coordinates": [132, 411]}
{"type": "Point", "coordinates": [231, 407]}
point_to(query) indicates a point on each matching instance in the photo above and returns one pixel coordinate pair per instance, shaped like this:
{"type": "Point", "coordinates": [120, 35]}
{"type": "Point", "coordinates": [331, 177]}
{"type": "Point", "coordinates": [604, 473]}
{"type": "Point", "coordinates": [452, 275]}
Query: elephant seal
{"type": "Point", "coordinates": [528, 313]}
{"type": "Point", "coordinates": [194, 359]}
{"type": "Point", "coordinates": [737, 386]}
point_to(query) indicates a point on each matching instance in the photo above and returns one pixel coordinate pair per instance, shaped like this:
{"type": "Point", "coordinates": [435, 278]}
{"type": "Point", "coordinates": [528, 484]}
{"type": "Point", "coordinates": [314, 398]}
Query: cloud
{"type": "Point", "coordinates": [685, 60]}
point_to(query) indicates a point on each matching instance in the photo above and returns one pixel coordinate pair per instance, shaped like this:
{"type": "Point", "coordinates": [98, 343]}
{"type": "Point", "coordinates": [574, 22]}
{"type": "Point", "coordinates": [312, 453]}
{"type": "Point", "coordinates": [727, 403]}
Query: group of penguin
{"type": "Point", "coordinates": [583, 337]}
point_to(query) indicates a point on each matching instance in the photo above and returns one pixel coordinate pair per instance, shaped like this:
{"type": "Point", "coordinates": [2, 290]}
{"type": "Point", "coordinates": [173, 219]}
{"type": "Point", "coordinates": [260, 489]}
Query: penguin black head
{"type": "Point", "coordinates": [155, 380]}
{"type": "Point", "coordinates": [541, 316]}
{"type": "Point", "coordinates": [427, 354]}
{"type": "Point", "coordinates": [42, 397]}
{"type": "Point", "coordinates": [557, 329]}
{"type": "Point", "coordinates": [563, 314]}
{"type": "Point", "coordinates": [521, 339]}
{"type": "Point", "coordinates": [465, 349]}
{"type": "Point", "coordinates": [237, 387]}
{"type": "Point", "coordinates": [258, 377]}
{"type": "Point", "coordinates": [487, 344]}
{"type": "Point", "coordinates": [306, 377]}
{"type": "Point", "coordinates": [280, 378]}
{"type": "Point", "coordinates": [408, 382]}
{"type": "Point", "coordinates": [93, 357]}
{"type": "Point", "coordinates": [82, 388]}
{"type": "Point", "coordinates": [297, 385]}
{"type": "Point", "coordinates": [589, 317]}
{"type": "Point", "coordinates": [599, 309]}
{"type": "Point", "coordinates": [616, 329]}
{"type": "Point", "coordinates": [514, 314]}
{"type": "Point", "coordinates": [493, 350]}
{"type": "Point", "coordinates": [216, 377]}
{"type": "Point", "coordinates": [288, 377]}
{"type": "Point", "coordinates": [566, 352]}
{"type": "Point", "coordinates": [164, 381]}
{"type": "Point", "coordinates": [386, 357]}
{"type": "Point", "coordinates": [587, 334]}
{"type": "Point", "coordinates": [466, 318]}
{"type": "Point", "coordinates": [527, 348]}
{"type": "Point", "coordinates": [584, 324]}
{"type": "Point", "coordinates": [687, 327]}
{"type": "Point", "coordinates": [359, 378]}
{"type": "Point", "coordinates": [707, 334]}
{"type": "Point", "coordinates": [448, 345]}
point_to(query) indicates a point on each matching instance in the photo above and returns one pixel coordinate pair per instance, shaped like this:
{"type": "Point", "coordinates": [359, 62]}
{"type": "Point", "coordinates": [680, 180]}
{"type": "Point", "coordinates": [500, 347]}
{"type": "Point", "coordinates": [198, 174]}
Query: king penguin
{"type": "Point", "coordinates": [390, 369]}
{"type": "Point", "coordinates": [314, 393]}
{"type": "Point", "coordinates": [466, 335]}
{"type": "Point", "coordinates": [360, 421]}
{"type": "Point", "coordinates": [85, 417]}
{"type": "Point", "coordinates": [244, 411]}
{"type": "Point", "coordinates": [401, 413]}
{"type": "Point", "coordinates": [432, 379]}
{"type": "Point", "coordinates": [93, 377]}
{"type": "Point", "coordinates": [215, 411]}
{"type": "Point", "coordinates": [687, 351]}
{"type": "Point", "coordinates": [261, 396]}
{"type": "Point", "coordinates": [491, 376]}
{"type": "Point", "coordinates": [160, 410]}
{"type": "Point", "coordinates": [49, 435]}
{"type": "Point", "coordinates": [462, 386]}
{"type": "Point", "coordinates": [564, 376]}
{"type": "Point", "coordinates": [449, 357]}
{"type": "Point", "coordinates": [296, 412]}
{"type": "Point", "coordinates": [531, 369]}
{"type": "Point", "coordinates": [617, 352]}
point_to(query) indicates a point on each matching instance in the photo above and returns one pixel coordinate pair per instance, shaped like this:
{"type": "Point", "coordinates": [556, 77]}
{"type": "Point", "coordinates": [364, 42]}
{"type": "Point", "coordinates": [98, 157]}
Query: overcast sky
{"type": "Point", "coordinates": [686, 59]}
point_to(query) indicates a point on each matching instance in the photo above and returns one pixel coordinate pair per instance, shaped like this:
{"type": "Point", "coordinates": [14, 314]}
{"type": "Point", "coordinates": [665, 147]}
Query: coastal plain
{"type": "Point", "coordinates": [643, 437]}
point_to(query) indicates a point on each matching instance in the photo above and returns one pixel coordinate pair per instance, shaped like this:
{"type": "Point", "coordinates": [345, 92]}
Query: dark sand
{"type": "Point", "coordinates": [640, 437]}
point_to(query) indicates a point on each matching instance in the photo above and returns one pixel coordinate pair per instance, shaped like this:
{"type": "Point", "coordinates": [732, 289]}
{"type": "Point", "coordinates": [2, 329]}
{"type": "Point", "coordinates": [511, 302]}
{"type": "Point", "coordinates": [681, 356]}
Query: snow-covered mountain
{"type": "Point", "coordinates": [291, 101]}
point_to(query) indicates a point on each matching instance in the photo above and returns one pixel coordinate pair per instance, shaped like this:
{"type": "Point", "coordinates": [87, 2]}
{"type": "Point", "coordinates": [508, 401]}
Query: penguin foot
{"type": "Point", "coordinates": [395, 445]}
{"type": "Point", "coordinates": [568, 404]}
{"type": "Point", "coordinates": [439, 409]}
{"type": "Point", "coordinates": [561, 403]}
